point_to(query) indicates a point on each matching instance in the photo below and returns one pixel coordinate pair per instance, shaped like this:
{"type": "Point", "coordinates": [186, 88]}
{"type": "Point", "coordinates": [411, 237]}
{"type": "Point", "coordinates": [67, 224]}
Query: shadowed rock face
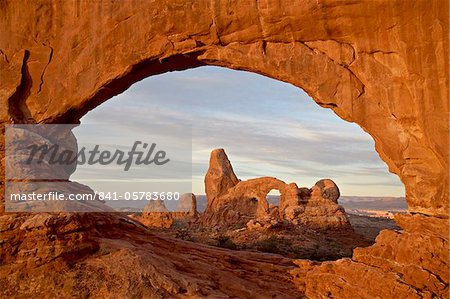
{"type": "Point", "coordinates": [326, 189]}
{"type": "Point", "coordinates": [396, 265]}
{"type": "Point", "coordinates": [247, 200]}
{"type": "Point", "coordinates": [380, 64]}
{"type": "Point", "coordinates": [112, 256]}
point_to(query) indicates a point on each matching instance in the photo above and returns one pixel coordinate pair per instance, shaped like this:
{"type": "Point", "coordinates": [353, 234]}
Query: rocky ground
{"type": "Point", "coordinates": [303, 223]}
{"type": "Point", "coordinates": [289, 241]}
{"type": "Point", "coordinates": [370, 227]}
{"type": "Point", "coordinates": [95, 255]}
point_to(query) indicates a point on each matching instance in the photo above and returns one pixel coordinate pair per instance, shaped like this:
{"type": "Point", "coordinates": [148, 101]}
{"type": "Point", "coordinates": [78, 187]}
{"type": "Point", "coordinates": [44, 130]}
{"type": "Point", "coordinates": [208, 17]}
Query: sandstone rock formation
{"type": "Point", "coordinates": [27, 173]}
{"type": "Point", "coordinates": [155, 214]}
{"type": "Point", "coordinates": [155, 206]}
{"type": "Point", "coordinates": [326, 189]}
{"type": "Point", "coordinates": [396, 260]}
{"type": "Point", "coordinates": [220, 176]}
{"type": "Point", "coordinates": [294, 43]}
{"type": "Point", "coordinates": [66, 255]}
{"type": "Point", "coordinates": [381, 64]}
{"type": "Point", "coordinates": [247, 200]}
{"type": "Point", "coordinates": [188, 203]}
{"type": "Point", "coordinates": [156, 219]}
{"type": "Point", "coordinates": [319, 208]}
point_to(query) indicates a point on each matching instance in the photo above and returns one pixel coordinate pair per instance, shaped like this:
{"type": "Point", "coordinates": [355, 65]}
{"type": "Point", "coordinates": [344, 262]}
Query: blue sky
{"type": "Point", "coordinates": [267, 127]}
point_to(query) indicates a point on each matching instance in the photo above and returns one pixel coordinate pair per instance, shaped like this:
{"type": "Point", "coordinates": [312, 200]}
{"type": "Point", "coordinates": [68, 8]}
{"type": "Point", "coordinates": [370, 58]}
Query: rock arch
{"type": "Point", "coordinates": [234, 202]}
{"type": "Point", "coordinates": [247, 198]}
{"type": "Point", "coordinates": [387, 72]}
{"type": "Point", "coordinates": [331, 51]}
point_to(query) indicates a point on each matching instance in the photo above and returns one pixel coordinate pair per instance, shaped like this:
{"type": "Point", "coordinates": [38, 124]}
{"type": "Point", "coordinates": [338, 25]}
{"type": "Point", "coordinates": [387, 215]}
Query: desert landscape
{"type": "Point", "coordinates": [382, 65]}
{"type": "Point", "coordinates": [304, 222]}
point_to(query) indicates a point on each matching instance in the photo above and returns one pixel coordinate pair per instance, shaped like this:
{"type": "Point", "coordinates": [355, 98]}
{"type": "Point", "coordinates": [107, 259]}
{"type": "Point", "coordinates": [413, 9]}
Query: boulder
{"type": "Point", "coordinates": [326, 189]}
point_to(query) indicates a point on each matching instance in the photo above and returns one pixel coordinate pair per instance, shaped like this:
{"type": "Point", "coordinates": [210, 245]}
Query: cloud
{"type": "Point", "coordinates": [267, 127]}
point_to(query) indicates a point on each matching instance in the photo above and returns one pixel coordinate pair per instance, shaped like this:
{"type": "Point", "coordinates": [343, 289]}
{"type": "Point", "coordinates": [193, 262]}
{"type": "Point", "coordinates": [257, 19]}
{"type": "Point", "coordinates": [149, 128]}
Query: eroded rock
{"type": "Point", "coordinates": [404, 263]}
{"type": "Point", "coordinates": [384, 71]}
{"type": "Point", "coordinates": [247, 200]}
{"type": "Point", "coordinates": [220, 176]}
{"type": "Point", "coordinates": [155, 214]}
{"type": "Point", "coordinates": [188, 203]}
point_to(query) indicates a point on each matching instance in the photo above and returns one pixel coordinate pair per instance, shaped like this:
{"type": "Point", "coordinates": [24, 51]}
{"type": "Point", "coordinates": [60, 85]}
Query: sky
{"type": "Point", "coordinates": [267, 128]}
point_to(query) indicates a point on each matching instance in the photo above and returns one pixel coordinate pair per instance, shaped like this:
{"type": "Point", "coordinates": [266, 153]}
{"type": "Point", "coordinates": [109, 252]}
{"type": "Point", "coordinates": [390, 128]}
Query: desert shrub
{"type": "Point", "coordinates": [226, 242]}
{"type": "Point", "coordinates": [183, 234]}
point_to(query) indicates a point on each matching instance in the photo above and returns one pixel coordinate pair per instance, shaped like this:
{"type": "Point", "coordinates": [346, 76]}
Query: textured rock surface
{"type": "Point", "coordinates": [155, 214]}
{"type": "Point", "coordinates": [247, 200]}
{"type": "Point", "coordinates": [326, 189]}
{"type": "Point", "coordinates": [66, 255]}
{"type": "Point", "coordinates": [155, 206]}
{"type": "Point", "coordinates": [412, 263]}
{"type": "Point", "coordinates": [155, 219]}
{"type": "Point", "coordinates": [40, 175]}
{"type": "Point", "coordinates": [380, 64]}
{"type": "Point", "coordinates": [386, 73]}
{"type": "Point", "coordinates": [320, 208]}
{"type": "Point", "coordinates": [220, 176]}
{"type": "Point", "coordinates": [240, 203]}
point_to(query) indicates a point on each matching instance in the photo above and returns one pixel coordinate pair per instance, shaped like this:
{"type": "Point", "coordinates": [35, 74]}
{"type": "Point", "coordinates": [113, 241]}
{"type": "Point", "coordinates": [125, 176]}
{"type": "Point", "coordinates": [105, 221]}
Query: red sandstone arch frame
{"type": "Point", "coordinates": [380, 64]}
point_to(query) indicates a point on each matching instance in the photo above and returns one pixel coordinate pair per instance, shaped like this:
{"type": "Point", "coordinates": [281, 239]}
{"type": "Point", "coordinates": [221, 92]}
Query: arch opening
{"type": "Point", "coordinates": [218, 109]}
{"type": "Point", "coordinates": [273, 197]}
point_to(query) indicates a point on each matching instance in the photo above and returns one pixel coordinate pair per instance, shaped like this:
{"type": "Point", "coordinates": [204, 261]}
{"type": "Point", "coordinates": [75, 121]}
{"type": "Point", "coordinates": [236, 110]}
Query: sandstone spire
{"type": "Point", "coordinates": [220, 176]}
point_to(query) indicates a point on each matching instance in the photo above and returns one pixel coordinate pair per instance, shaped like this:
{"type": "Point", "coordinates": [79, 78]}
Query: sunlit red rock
{"type": "Point", "coordinates": [247, 200]}
{"type": "Point", "coordinates": [380, 64]}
